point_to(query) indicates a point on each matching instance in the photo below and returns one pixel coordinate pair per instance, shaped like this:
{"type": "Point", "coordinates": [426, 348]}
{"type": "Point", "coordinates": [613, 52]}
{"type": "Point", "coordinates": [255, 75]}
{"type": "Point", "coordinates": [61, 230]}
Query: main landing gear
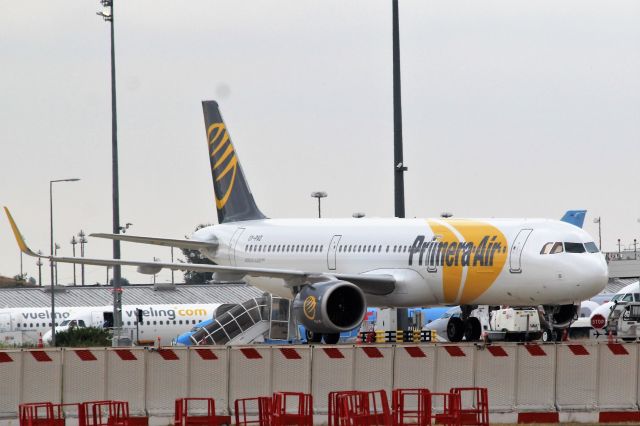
{"type": "Point", "coordinates": [464, 326]}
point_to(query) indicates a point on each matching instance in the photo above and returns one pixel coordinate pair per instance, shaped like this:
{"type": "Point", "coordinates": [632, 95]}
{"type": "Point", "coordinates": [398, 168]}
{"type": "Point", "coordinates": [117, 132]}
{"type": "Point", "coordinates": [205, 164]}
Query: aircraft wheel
{"type": "Point", "coordinates": [472, 329]}
{"type": "Point", "coordinates": [455, 329]}
{"type": "Point", "coordinates": [313, 337]}
{"type": "Point", "coordinates": [331, 338]}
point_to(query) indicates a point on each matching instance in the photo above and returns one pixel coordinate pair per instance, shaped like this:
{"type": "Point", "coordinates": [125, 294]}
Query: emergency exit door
{"type": "Point", "coordinates": [331, 253]}
{"type": "Point", "coordinates": [515, 255]}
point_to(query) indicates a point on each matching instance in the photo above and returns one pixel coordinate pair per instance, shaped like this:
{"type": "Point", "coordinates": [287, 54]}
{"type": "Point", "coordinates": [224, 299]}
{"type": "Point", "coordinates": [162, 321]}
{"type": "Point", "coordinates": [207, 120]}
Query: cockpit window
{"type": "Point", "coordinates": [628, 297]}
{"type": "Point", "coordinates": [617, 297]}
{"type": "Point", "coordinates": [546, 249]}
{"type": "Point", "coordinates": [591, 247]}
{"type": "Point", "coordinates": [557, 248]}
{"type": "Point", "coordinates": [574, 247]}
{"type": "Point", "coordinates": [65, 322]}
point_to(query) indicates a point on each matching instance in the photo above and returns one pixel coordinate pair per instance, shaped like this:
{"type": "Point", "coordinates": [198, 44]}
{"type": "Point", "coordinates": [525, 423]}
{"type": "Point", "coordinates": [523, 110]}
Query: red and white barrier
{"type": "Point", "coordinates": [10, 382]}
{"type": "Point", "coordinates": [454, 366]}
{"type": "Point", "coordinates": [126, 378]}
{"type": "Point", "coordinates": [496, 371]}
{"type": "Point", "coordinates": [78, 366]}
{"type": "Point", "coordinates": [208, 375]}
{"type": "Point", "coordinates": [373, 366]}
{"type": "Point", "coordinates": [414, 367]}
{"type": "Point", "coordinates": [42, 375]}
{"type": "Point", "coordinates": [617, 369]}
{"type": "Point", "coordinates": [576, 377]}
{"type": "Point", "coordinates": [249, 372]}
{"type": "Point", "coordinates": [291, 369]}
{"type": "Point", "coordinates": [536, 378]}
{"type": "Point", "coordinates": [166, 379]}
{"type": "Point", "coordinates": [331, 370]}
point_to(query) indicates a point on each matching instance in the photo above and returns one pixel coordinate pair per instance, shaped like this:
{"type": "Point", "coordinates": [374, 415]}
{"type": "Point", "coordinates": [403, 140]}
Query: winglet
{"type": "Point", "coordinates": [16, 232]}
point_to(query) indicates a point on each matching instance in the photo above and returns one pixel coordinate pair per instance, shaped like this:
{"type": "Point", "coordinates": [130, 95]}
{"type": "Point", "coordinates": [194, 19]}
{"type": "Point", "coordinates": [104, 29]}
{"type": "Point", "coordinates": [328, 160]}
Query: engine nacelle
{"type": "Point", "coordinates": [330, 306]}
{"type": "Point", "coordinates": [561, 316]}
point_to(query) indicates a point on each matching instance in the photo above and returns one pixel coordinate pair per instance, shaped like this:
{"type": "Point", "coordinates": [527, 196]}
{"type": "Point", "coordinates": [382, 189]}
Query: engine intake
{"type": "Point", "coordinates": [561, 316]}
{"type": "Point", "coordinates": [330, 306]}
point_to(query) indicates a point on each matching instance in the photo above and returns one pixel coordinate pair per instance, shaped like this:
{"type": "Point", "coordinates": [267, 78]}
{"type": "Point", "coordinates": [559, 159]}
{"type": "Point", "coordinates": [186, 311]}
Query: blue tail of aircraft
{"type": "Point", "coordinates": [574, 217]}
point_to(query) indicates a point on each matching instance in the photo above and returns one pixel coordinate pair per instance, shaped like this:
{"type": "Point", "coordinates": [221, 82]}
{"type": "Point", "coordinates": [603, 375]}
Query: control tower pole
{"type": "Point", "coordinates": [398, 163]}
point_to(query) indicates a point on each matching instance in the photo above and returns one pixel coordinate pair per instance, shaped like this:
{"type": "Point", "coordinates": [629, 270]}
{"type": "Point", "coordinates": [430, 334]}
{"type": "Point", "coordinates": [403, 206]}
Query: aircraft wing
{"type": "Point", "coordinates": [167, 242]}
{"type": "Point", "coordinates": [376, 284]}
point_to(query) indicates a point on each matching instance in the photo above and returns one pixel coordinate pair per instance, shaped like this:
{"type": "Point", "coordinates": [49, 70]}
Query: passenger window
{"type": "Point", "coordinates": [379, 248]}
{"type": "Point", "coordinates": [591, 247]}
{"type": "Point", "coordinates": [557, 248]}
{"type": "Point", "coordinates": [574, 247]}
{"type": "Point", "coordinates": [394, 248]}
{"type": "Point", "coordinates": [321, 248]}
{"type": "Point", "coordinates": [180, 322]}
{"type": "Point", "coordinates": [628, 297]}
{"type": "Point", "coordinates": [388, 249]}
{"type": "Point", "coordinates": [546, 249]}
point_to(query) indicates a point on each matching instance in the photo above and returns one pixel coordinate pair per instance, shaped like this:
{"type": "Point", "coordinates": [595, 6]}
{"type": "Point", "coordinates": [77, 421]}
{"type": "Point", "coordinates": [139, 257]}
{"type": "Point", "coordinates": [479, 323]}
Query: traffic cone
{"type": "Point", "coordinates": [40, 342]}
{"type": "Point", "coordinates": [610, 336]}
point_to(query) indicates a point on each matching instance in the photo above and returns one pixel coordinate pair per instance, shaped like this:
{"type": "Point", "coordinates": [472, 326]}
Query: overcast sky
{"type": "Point", "coordinates": [510, 109]}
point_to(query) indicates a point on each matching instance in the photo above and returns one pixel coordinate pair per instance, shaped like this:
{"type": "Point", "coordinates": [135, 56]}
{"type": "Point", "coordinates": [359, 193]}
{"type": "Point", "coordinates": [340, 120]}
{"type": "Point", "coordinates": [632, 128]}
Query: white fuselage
{"type": "Point", "coordinates": [159, 321]}
{"type": "Point", "coordinates": [434, 261]}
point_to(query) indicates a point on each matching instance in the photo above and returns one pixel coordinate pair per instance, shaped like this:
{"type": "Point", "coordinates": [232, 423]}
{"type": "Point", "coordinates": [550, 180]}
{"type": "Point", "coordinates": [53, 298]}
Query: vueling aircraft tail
{"type": "Point", "coordinates": [234, 201]}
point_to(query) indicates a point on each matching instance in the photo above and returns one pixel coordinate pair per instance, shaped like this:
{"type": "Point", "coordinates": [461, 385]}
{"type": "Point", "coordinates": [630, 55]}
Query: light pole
{"type": "Point", "coordinates": [56, 247]}
{"type": "Point", "coordinates": [319, 195]}
{"type": "Point", "coordinates": [172, 280]}
{"type": "Point", "coordinates": [51, 263]}
{"type": "Point", "coordinates": [155, 259]}
{"type": "Point", "coordinates": [73, 244]}
{"type": "Point", "coordinates": [82, 241]}
{"type": "Point", "coordinates": [39, 264]}
{"type": "Point", "coordinates": [598, 221]}
{"type": "Point", "coordinates": [107, 15]}
{"type": "Point", "coordinates": [618, 245]}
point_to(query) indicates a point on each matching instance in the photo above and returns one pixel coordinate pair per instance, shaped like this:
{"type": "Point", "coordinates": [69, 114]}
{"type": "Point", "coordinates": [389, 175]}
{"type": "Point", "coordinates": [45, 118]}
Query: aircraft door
{"type": "Point", "coordinates": [96, 319]}
{"type": "Point", "coordinates": [5, 322]}
{"type": "Point", "coordinates": [232, 245]}
{"type": "Point", "coordinates": [515, 255]}
{"type": "Point", "coordinates": [432, 256]}
{"type": "Point", "coordinates": [331, 253]}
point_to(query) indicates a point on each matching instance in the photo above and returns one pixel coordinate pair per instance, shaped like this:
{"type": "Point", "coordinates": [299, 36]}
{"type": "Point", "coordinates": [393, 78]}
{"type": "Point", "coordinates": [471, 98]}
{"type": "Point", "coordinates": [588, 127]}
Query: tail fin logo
{"type": "Point", "coordinates": [223, 161]}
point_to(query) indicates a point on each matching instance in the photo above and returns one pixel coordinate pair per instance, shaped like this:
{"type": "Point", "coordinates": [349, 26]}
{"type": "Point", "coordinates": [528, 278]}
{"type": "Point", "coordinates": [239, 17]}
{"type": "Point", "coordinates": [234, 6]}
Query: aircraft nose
{"type": "Point", "coordinates": [597, 275]}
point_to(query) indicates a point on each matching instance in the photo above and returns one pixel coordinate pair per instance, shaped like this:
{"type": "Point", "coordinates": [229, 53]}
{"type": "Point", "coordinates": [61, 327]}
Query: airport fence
{"type": "Point", "coordinates": [519, 378]}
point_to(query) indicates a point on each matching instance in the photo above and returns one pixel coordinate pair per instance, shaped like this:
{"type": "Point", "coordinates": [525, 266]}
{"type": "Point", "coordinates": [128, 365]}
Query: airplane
{"type": "Point", "coordinates": [334, 268]}
{"type": "Point", "coordinates": [163, 322]}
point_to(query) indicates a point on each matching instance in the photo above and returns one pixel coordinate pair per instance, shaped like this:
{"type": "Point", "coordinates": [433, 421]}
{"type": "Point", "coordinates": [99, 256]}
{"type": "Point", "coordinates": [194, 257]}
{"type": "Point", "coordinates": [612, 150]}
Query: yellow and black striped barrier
{"type": "Point", "coordinates": [398, 336]}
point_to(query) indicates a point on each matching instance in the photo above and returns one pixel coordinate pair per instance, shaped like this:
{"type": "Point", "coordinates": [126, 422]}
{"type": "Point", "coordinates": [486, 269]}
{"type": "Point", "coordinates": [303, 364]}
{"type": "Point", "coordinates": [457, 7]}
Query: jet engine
{"type": "Point", "coordinates": [330, 306]}
{"type": "Point", "coordinates": [561, 316]}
